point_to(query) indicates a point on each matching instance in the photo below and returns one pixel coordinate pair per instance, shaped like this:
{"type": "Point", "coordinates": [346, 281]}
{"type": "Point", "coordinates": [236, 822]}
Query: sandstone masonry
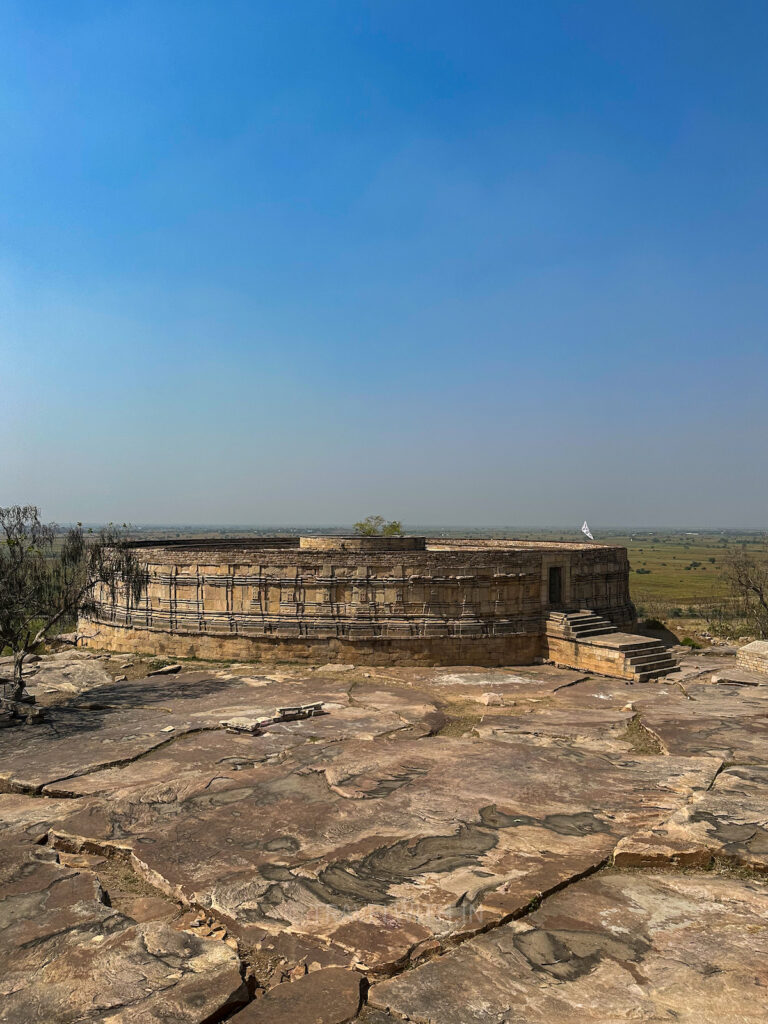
{"type": "Point", "coordinates": [394, 600]}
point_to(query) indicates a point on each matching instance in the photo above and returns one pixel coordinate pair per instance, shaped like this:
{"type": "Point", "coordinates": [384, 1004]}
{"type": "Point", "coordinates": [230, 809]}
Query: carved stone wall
{"type": "Point", "coordinates": [382, 600]}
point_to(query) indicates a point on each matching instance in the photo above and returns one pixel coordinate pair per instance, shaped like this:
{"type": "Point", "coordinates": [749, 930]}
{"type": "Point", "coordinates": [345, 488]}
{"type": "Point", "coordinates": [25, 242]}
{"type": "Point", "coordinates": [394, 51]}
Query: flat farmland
{"type": "Point", "coordinates": [676, 571]}
{"type": "Point", "coordinates": [682, 571]}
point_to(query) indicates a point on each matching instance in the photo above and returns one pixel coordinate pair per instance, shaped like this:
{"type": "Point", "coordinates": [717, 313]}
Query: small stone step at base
{"type": "Point", "coordinates": [658, 667]}
{"type": "Point", "coordinates": [652, 658]}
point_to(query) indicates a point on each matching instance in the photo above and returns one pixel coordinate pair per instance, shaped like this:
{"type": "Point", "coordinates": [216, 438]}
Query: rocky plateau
{"type": "Point", "coordinates": [438, 846]}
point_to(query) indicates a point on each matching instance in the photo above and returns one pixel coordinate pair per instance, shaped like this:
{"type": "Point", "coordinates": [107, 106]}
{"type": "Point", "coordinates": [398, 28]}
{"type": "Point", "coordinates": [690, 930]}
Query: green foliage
{"type": "Point", "coordinates": [688, 641]}
{"type": "Point", "coordinates": [377, 526]}
{"type": "Point", "coordinates": [45, 579]}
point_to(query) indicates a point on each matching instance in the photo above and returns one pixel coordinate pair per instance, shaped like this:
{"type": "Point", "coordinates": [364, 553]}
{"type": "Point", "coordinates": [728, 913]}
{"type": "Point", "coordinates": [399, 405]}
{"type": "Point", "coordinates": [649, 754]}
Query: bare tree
{"type": "Point", "coordinates": [377, 526]}
{"type": "Point", "coordinates": [747, 577]}
{"type": "Point", "coordinates": [46, 577]}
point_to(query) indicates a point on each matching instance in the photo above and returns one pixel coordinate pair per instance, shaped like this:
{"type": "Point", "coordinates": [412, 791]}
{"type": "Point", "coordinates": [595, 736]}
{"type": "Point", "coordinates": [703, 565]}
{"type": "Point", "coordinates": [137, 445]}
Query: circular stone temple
{"type": "Point", "coordinates": [371, 600]}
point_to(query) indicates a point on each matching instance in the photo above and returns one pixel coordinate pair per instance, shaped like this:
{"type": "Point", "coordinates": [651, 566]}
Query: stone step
{"type": "Point", "coordinates": [665, 665]}
{"type": "Point", "coordinates": [644, 677]}
{"type": "Point", "coordinates": [658, 658]}
{"type": "Point", "coordinates": [655, 647]}
{"type": "Point", "coordinates": [651, 661]}
{"type": "Point", "coordinates": [655, 653]}
{"type": "Point", "coordinates": [639, 658]}
{"type": "Point", "coordinates": [649, 652]}
{"type": "Point", "coordinates": [584, 636]}
{"type": "Point", "coordinates": [574, 616]}
{"type": "Point", "coordinates": [579, 624]}
{"type": "Point", "coordinates": [593, 630]}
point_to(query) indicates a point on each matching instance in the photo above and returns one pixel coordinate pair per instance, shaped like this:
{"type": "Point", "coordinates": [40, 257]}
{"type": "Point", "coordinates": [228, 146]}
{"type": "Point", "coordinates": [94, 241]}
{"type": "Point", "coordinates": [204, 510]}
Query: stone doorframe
{"type": "Point", "coordinates": [556, 560]}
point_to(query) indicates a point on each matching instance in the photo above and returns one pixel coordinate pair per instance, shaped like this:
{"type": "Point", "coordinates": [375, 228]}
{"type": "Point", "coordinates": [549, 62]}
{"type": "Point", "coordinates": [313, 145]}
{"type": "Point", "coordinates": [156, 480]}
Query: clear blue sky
{"type": "Point", "coordinates": [454, 262]}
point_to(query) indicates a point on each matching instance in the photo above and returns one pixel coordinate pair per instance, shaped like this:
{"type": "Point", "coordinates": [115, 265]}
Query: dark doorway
{"type": "Point", "coordinates": [555, 586]}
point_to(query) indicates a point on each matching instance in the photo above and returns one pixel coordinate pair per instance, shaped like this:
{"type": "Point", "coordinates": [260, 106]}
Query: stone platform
{"type": "Point", "coordinates": [446, 845]}
{"type": "Point", "coordinates": [592, 643]}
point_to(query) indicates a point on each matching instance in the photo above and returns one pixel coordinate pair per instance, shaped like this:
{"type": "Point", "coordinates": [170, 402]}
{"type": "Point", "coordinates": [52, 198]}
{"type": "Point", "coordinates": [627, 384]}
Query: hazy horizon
{"type": "Point", "coordinates": [446, 262]}
{"type": "Point", "coordinates": [409, 528]}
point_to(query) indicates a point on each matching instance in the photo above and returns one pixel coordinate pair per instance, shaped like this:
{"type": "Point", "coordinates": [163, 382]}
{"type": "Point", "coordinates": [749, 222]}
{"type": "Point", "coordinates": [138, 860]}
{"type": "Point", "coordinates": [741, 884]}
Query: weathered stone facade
{"type": "Point", "coordinates": [375, 600]}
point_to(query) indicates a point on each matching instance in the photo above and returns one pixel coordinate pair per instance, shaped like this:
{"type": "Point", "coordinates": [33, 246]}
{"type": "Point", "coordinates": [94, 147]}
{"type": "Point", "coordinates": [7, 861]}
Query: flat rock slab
{"type": "Point", "coordinates": [378, 846]}
{"type": "Point", "coordinates": [407, 834]}
{"type": "Point", "coordinates": [470, 682]}
{"type": "Point", "coordinates": [690, 718]}
{"type": "Point", "coordinates": [193, 760]}
{"type": "Point", "coordinates": [614, 947]}
{"type": "Point", "coordinates": [591, 728]}
{"type": "Point", "coordinates": [29, 817]}
{"type": "Point", "coordinates": [63, 674]}
{"type": "Point", "coordinates": [739, 677]}
{"type": "Point", "coordinates": [330, 996]}
{"type": "Point", "coordinates": [67, 957]}
{"type": "Point", "coordinates": [111, 724]}
{"type": "Point", "coordinates": [726, 721]}
{"type": "Point", "coordinates": [124, 721]}
{"type": "Point", "coordinates": [729, 823]}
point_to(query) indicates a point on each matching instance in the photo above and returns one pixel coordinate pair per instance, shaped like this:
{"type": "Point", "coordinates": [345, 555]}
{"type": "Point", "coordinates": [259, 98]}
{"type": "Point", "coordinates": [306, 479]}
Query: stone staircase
{"type": "Point", "coordinates": [650, 660]}
{"type": "Point", "coordinates": [578, 625]}
{"type": "Point", "coordinates": [583, 639]}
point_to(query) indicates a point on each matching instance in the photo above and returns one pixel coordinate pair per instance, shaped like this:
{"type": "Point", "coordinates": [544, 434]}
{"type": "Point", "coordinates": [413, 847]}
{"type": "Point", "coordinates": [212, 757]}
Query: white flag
{"type": "Point", "coordinates": [586, 529]}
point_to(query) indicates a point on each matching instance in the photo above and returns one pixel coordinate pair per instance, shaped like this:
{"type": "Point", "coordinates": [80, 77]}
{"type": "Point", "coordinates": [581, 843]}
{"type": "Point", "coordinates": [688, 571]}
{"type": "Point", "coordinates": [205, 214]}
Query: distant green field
{"type": "Point", "coordinates": [677, 572]}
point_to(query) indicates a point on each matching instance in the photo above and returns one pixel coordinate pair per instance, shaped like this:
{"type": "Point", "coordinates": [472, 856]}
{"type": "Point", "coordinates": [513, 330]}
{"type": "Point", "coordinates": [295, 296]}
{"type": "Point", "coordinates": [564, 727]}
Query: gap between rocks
{"type": "Point", "coordinates": [643, 739]}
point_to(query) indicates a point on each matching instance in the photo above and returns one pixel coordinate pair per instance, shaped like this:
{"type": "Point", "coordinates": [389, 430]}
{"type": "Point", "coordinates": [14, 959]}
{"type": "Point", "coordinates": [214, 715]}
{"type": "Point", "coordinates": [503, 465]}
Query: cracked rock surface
{"type": "Point", "coordinates": [68, 956]}
{"type": "Point", "coordinates": [576, 848]}
{"type": "Point", "coordinates": [613, 947]}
